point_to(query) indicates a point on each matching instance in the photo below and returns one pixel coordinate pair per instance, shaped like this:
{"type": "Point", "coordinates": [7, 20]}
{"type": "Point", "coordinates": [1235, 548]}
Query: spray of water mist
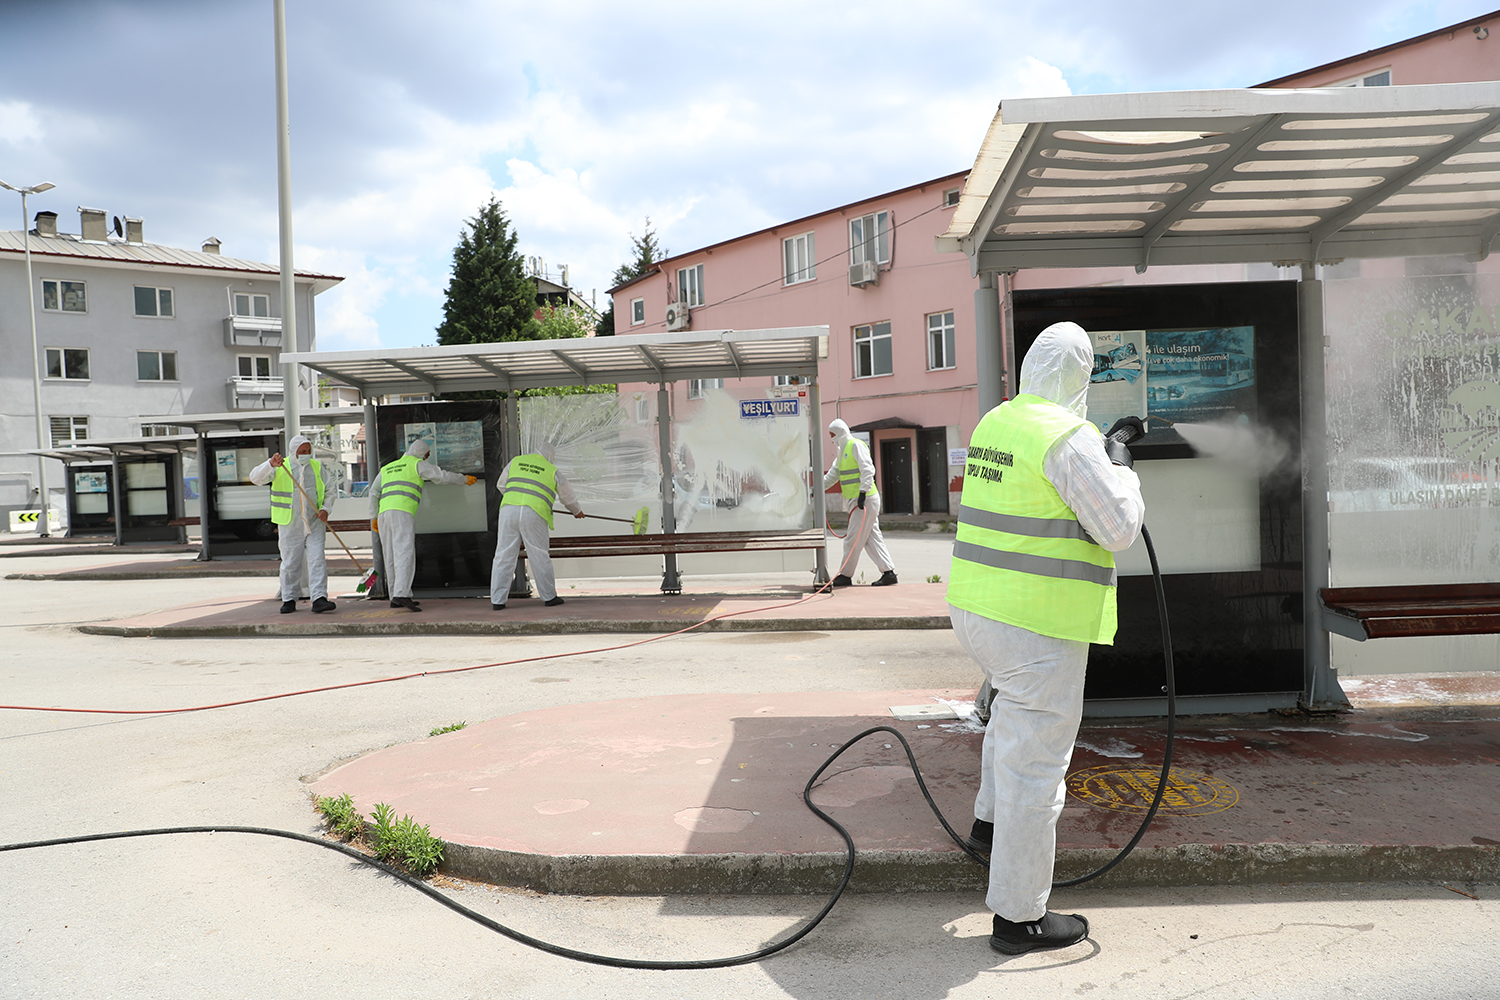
{"type": "Point", "coordinates": [1237, 442]}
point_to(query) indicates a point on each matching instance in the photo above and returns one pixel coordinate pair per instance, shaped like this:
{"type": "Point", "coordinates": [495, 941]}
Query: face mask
{"type": "Point", "coordinates": [303, 459]}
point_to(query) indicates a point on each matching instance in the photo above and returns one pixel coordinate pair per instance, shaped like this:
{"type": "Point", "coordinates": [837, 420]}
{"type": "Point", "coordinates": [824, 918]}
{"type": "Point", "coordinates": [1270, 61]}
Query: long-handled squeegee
{"type": "Point", "coordinates": [637, 523]}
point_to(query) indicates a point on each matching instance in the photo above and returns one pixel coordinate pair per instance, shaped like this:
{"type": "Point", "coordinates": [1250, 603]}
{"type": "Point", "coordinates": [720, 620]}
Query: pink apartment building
{"type": "Point", "coordinates": [901, 364]}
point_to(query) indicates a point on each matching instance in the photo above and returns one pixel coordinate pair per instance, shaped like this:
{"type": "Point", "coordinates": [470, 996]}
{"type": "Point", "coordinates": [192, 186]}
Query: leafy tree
{"type": "Point", "coordinates": [490, 298]}
{"type": "Point", "coordinates": [648, 252]}
{"type": "Point", "coordinates": [562, 322]}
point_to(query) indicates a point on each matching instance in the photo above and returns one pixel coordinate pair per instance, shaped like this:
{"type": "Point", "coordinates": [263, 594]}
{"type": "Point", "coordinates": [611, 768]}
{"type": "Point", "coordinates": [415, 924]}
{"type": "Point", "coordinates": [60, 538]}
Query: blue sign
{"type": "Point", "coordinates": [752, 408]}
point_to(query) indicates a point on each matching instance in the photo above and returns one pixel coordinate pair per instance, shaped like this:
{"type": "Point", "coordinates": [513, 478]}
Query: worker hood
{"type": "Point", "coordinates": [296, 443]}
{"type": "Point", "coordinates": [839, 430]}
{"type": "Point", "coordinates": [419, 448]}
{"type": "Point", "coordinates": [1058, 366]}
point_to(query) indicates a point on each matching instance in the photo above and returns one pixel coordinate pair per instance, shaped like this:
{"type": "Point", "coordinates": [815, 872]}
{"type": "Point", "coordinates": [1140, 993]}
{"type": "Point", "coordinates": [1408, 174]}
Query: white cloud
{"type": "Point", "coordinates": [19, 123]}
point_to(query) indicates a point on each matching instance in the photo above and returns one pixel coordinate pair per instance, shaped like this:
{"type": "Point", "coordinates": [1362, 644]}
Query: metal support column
{"type": "Point", "coordinates": [290, 402]}
{"type": "Point", "coordinates": [1320, 684]}
{"type": "Point", "coordinates": [989, 352]}
{"type": "Point", "coordinates": [671, 580]}
{"type": "Point", "coordinates": [378, 589]}
{"type": "Point", "coordinates": [119, 495]}
{"type": "Point", "coordinates": [1010, 377]}
{"type": "Point", "coordinates": [819, 498]}
{"type": "Point", "coordinates": [205, 462]}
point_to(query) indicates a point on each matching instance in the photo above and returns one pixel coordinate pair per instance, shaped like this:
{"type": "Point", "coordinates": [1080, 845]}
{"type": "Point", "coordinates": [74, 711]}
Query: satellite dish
{"type": "Point", "coordinates": [119, 229]}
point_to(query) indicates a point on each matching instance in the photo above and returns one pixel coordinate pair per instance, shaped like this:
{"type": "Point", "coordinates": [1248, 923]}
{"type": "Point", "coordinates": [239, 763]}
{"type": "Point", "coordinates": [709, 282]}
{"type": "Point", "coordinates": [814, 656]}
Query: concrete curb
{"type": "Point", "coordinates": [163, 574]}
{"type": "Point", "coordinates": [948, 871]}
{"type": "Point", "coordinates": [548, 627]}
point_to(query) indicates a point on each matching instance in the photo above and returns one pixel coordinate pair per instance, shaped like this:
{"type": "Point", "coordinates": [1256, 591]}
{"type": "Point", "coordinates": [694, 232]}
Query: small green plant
{"type": "Point", "coordinates": [405, 842]}
{"type": "Point", "coordinates": [934, 578]}
{"type": "Point", "coordinates": [343, 819]}
{"type": "Point", "coordinates": [440, 730]}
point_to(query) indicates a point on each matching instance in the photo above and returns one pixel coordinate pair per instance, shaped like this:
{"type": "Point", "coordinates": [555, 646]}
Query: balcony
{"type": "Point", "coordinates": [256, 394]}
{"type": "Point", "coordinates": [252, 331]}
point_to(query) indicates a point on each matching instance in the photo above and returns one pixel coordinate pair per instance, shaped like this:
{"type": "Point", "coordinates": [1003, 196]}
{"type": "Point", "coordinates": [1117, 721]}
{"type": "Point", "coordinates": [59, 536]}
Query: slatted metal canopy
{"type": "Point", "coordinates": [1234, 176]}
{"type": "Point", "coordinates": [649, 358]}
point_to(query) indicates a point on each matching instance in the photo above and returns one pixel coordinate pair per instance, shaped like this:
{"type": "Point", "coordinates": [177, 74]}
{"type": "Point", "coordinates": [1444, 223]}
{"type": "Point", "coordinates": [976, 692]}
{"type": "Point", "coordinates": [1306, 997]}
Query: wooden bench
{"type": "Point", "coordinates": [679, 544]}
{"type": "Point", "coordinates": [1426, 609]}
{"type": "Point", "coordinates": [359, 524]}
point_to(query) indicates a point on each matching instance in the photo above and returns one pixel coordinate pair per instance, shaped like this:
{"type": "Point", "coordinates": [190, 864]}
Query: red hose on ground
{"type": "Point", "coordinates": [423, 673]}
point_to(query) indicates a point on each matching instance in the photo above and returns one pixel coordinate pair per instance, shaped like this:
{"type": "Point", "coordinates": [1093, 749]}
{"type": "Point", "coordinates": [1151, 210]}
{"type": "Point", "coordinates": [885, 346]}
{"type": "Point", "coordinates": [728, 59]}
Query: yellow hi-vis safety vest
{"type": "Point", "coordinates": [400, 486]}
{"type": "Point", "coordinates": [849, 472]}
{"type": "Point", "coordinates": [532, 483]}
{"type": "Point", "coordinates": [1020, 555]}
{"type": "Point", "coordinates": [284, 491]}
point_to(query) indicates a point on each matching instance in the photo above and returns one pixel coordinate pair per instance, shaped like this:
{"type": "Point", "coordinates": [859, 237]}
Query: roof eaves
{"type": "Point", "coordinates": [1471, 22]}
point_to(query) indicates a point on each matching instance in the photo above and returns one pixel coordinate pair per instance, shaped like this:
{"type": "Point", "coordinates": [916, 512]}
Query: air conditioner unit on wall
{"type": "Point", "coordinates": [864, 273]}
{"type": "Point", "coordinates": [677, 316]}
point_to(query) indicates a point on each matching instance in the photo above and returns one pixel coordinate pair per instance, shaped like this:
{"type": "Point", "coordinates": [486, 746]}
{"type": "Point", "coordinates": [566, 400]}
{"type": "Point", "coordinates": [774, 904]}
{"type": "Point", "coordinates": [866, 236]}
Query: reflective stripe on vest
{"type": "Point", "coordinates": [1020, 555]}
{"type": "Point", "coordinates": [284, 491]}
{"type": "Point", "coordinates": [400, 486]}
{"type": "Point", "coordinates": [532, 482]}
{"type": "Point", "coordinates": [849, 472]}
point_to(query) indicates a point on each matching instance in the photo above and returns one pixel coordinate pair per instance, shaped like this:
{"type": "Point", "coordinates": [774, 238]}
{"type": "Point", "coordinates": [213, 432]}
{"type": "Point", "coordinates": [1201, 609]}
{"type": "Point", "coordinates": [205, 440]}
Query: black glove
{"type": "Point", "coordinates": [1135, 422]}
{"type": "Point", "coordinates": [861, 503]}
{"type": "Point", "coordinates": [1119, 454]}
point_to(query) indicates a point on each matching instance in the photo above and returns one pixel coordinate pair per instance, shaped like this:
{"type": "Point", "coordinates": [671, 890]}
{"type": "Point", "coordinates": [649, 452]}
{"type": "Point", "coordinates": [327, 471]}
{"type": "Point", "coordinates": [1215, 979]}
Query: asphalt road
{"type": "Point", "coordinates": [232, 915]}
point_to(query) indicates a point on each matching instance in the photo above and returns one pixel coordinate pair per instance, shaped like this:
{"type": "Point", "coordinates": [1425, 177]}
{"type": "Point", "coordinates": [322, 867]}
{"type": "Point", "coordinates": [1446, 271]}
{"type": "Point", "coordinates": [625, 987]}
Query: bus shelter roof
{"type": "Point", "coordinates": [1234, 176]}
{"type": "Point", "coordinates": [658, 358]}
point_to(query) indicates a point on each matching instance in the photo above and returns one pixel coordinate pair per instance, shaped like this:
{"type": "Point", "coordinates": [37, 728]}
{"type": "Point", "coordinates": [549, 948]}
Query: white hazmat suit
{"type": "Point", "coordinates": [398, 534]}
{"type": "Point", "coordinates": [518, 523]}
{"type": "Point", "coordinates": [1038, 679]}
{"type": "Point", "coordinates": [863, 532]}
{"type": "Point", "coordinates": [302, 540]}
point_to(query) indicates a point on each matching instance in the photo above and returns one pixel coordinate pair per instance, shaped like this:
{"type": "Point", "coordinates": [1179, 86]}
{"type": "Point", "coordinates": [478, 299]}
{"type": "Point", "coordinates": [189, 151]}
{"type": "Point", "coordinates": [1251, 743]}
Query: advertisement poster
{"type": "Point", "coordinates": [90, 482]}
{"type": "Point", "coordinates": [457, 446]}
{"type": "Point", "coordinates": [1189, 376]}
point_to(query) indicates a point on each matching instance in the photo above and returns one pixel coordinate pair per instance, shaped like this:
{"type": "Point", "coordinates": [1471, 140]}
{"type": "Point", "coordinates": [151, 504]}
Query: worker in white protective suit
{"type": "Point", "coordinates": [530, 485]}
{"type": "Point", "coordinates": [1046, 504]}
{"type": "Point", "coordinates": [395, 494]}
{"type": "Point", "coordinates": [301, 519]}
{"type": "Point", "coordinates": [854, 473]}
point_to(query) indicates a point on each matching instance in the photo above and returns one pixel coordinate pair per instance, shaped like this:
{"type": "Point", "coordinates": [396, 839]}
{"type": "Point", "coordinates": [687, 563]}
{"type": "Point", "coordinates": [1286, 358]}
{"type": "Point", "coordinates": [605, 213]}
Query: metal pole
{"type": "Point", "coordinates": [1320, 686]}
{"type": "Point", "coordinates": [520, 583]}
{"type": "Point", "coordinates": [205, 462]}
{"type": "Point", "coordinates": [1007, 335]}
{"type": "Point", "coordinates": [989, 355]}
{"type": "Point", "coordinates": [44, 521]}
{"type": "Point", "coordinates": [819, 498]}
{"type": "Point", "coordinates": [290, 403]}
{"type": "Point", "coordinates": [671, 582]}
{"type": "Point", "coordinates": [119, 495]}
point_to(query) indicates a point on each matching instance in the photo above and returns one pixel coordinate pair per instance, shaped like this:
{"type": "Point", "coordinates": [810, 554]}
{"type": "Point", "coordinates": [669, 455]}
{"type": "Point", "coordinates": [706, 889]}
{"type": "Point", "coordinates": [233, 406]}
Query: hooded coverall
{"type": "Point", "coordinates": [302, 538]}
{"type": "Point", "coordinates": [1037, 676]}
{"type": "Point", "coordinates": [398, 535]}
{"type": "Point", "coordinates": [522, 521]}
{"type": "Point", "coordinates": [853, 470]}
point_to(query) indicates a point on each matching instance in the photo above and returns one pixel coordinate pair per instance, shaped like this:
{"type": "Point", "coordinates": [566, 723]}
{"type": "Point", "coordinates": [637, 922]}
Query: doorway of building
{"type": "Point", "coordinates": [932, 469]}
{"type": "Point", "coordinates": [895, 472]}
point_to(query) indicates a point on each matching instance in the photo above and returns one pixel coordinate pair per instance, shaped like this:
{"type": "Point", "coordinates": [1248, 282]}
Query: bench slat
{"type": "Point", "coordinates": [1419, 609]}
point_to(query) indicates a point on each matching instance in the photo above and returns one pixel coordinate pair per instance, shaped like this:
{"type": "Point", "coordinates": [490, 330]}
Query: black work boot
{"type": "Point", "coordinates": [321, 605]}
{"type": "Point", "coordinates": [982, 836]}
{"type": "Point", "coordinates": [404, 602]}
{"type": "Point", "coordinates": [287, 607]}
{"type": "Point", "coordinates": [841, 581]}
{"type": "Point", "coordinates": [1054, 930]}
{"type": "Point", "coordinates": [552, 603]}
{"type": "Point", "coordinates": [887, 579]}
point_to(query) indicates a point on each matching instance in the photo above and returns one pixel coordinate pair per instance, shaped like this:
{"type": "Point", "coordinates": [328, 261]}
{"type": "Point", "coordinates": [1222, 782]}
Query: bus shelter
{"type": "Point", "coordinates": [629, 440]}
{"type": "Point", "coordinates": [1317, 180]}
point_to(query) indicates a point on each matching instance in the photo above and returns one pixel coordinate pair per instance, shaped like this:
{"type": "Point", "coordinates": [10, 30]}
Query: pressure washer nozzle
{"type": "Point", "coordinates": [1161, 420]}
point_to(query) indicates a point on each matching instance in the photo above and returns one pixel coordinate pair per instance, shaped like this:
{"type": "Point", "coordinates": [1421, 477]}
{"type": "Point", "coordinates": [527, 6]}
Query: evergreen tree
{"type": "Point", "coordinates": [490, 298]}
{"type": "Point", "coordinates": [648, 252]}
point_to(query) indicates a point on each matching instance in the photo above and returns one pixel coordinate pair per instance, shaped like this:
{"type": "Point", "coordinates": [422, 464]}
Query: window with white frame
{"type": "Point", "coordinates": [950, 197]}
{"type": "Point", "coordinates": [872, 350]}
{"type": "Point", "coordinates": [251, 304]}
{"type": "Point", "coordinates": [1381, 79]}
{"type": "Point", "coordinates": [64, 296]}
{"type": "Point", "coordinates": [792, 380]}
{"type": "Point", "coordinates": [799, 259]}
{"type": "Point", "coordinates": [156, 366]}
{"type": "Point", "coordinates": [152, 301]}
{"type": "Point", "coordinates": [698, 387]}
{"type": "Point", "coordinates": [940, 341]}
{"type": "Point", "coordinates": [690, 286]}
{"type": "Point", "coordinates": [254, 366]}
{"type": "Point", "coordinates": [637, 311]}
{"type": "Point", "coordinates": [66, 430]}
{"type": "Point", "coordinates": [161, 430]}
{"type": "Point", "coordinates": [68, 363]}
{"type": "Point", "coordinates": [870, 238]}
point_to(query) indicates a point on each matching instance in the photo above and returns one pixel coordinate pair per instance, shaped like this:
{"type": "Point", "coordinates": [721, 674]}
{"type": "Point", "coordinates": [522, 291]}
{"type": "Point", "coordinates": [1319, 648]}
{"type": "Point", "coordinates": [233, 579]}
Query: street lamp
{"type": "Point", "coordinates": [43, 523]}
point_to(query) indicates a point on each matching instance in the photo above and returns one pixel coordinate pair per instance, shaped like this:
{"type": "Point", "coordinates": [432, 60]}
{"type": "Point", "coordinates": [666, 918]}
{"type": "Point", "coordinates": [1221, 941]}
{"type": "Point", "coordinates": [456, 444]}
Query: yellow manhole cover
{"type": "Point", "coordinates": [1130, 789]}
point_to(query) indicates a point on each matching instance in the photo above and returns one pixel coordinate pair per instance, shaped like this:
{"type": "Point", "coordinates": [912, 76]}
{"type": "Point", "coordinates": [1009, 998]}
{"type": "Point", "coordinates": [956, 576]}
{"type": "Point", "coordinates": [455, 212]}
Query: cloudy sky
{"type": "Point", "coordinates": [584, 118]}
